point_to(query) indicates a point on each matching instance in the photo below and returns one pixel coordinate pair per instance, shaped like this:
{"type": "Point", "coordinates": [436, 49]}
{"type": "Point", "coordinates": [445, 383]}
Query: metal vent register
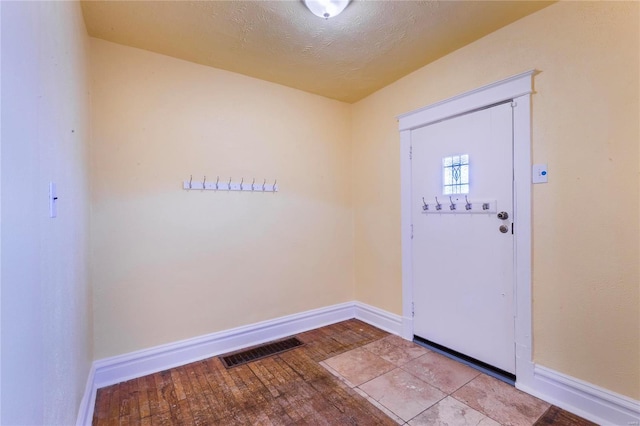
{"type": "Point", "coordinates": [268, 349]}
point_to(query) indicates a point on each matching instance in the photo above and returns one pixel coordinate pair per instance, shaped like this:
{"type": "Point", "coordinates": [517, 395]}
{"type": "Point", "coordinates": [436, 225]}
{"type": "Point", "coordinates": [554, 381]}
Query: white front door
{"type": "Point", "coordinates": [463, 258]}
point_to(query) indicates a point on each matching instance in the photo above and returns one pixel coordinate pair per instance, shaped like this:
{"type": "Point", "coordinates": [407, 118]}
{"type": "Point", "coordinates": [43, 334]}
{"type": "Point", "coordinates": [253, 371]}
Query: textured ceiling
{"type": "Point", "coordinates": [368, 46]}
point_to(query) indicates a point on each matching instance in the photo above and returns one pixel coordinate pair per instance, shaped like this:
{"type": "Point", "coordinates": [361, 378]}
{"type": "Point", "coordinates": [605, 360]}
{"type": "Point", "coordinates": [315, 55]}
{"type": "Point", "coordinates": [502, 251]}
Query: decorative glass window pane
{"type": "Point", "coordinates": [455, 174]}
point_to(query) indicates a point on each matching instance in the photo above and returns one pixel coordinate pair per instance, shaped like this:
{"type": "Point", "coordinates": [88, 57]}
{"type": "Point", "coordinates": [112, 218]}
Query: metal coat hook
{"type": "Point", "coordinates": [204, 182]}
{"type": "Point", "coordinates": [467, 204]}
{"type": "Point", "coordinates": [241, 182]}
{"type": "Point", "coordinates": [425, 206]}
{"type": "Point", "coordinates": [263, 184]}
{"type": "Point", "coordinates": [253, 183]}
{"type": "Point", "coordinates": [274, 185]}
{"type": "Point", "coordinates": [190, 180]}
{"type": "Point", "coordinates": [452, 206]}
{"type": "Point", "coordinates": [217, 180]}
{"type": "Point", "coordinates": [438, 205]}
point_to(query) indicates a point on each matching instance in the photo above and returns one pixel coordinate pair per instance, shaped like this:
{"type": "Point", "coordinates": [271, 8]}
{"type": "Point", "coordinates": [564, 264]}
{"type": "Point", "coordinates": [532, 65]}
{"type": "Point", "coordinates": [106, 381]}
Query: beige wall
{"type": "Point", "coordinates": [585, 230]}
{"type": "Point", "coordinates": [47, 333]}
{"type": "Point", "coordinates": [169, 264]}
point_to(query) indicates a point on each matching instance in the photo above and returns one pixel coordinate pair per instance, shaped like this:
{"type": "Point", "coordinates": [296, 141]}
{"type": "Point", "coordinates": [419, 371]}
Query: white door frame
{"type": "Point", "coordinates": [519, 89]}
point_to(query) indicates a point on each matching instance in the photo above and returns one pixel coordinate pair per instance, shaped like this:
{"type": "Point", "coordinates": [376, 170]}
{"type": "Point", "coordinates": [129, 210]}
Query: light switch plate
{"type": "Point", "coordinates": [540, 173]}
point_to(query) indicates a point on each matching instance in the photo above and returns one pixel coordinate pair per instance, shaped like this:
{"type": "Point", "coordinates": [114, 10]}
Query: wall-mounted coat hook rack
{"type": "Point", "coordinates": [473, 206]}
{"type": "Point", "coordinates": [229, 186]}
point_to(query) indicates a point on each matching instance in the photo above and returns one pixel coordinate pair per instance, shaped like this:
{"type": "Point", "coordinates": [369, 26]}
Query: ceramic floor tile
{"type": "Point", "coordinates": [359, 365]}
{"type": "Point", "coordinates": [336, 374]}
{"type": "Point", "coordinates": [501, 402]}
{"type": "Point", "coordinates": [442, 372]}
{"type": "Point", "coordinates": [394, 351]}
{"type": "Point", "coordinates": [380, 407]}
{"type": "Point", "coordinates": [402, 393]}
{"type": "Point", "coordinates": [450, 412]}
{"type": "Point", "coordinates": [399, 341]}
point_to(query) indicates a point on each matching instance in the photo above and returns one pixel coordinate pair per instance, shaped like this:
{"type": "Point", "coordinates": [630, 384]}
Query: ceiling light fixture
{"type": "Point", "coordinates": [326, 8]}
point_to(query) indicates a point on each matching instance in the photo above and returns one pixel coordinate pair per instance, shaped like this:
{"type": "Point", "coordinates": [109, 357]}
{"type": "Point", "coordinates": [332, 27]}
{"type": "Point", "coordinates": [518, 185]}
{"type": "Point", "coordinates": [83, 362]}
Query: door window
{"type": "Point", "coordinates": [455, 174]}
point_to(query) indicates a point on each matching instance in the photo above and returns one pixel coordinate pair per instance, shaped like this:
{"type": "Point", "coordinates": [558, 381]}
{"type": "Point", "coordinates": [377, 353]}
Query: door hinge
{"type": "Point", "coordinates": [411, 152]}
{"type": "Point", "coordinates": [413, 311]}
{"type": "Point", "coordinates": [412, 231]}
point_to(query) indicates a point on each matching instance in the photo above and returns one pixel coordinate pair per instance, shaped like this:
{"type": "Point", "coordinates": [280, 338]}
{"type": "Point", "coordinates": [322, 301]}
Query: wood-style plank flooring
{"type": "Point", "coordinates": [291, 388]}
{"type": "Point", "coordinates": [559, 417]}
{"type": "Point", "coordinates": [286, 389]}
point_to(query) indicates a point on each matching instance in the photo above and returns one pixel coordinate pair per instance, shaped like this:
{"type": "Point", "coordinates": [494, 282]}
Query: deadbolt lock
{"type": "Point", "coordinates": [504, 229]}
{"type": "Point", "coordinates": [503, 215]}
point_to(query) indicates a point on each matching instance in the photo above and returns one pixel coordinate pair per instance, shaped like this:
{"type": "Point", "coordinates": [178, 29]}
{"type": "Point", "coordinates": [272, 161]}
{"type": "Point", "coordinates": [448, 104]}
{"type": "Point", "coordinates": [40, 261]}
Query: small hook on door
{"type": "Point", "coordinates": [467, 204]}
{"type": "Point", "coordinates": [438, 205]}
{"type": "Point", "coordinates": [204, 182]}
{"type": "Point", "coordinates": [452, 205]}
{"type": "Point", "coordinates": [217, 180]}
{"type": "Point", "coordinates": [425, 206]}
{"type": "Point", "coordinates": [190, 180]}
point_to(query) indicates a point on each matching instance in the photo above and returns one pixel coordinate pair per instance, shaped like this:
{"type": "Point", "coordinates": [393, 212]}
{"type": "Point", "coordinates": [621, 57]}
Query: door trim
{"type": "Point", "coordinates": [517, 88]}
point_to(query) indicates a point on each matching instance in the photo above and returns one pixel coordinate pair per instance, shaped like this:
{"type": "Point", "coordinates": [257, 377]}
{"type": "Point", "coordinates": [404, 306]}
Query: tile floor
{"type": "Point", "coordinates": [415, 386]}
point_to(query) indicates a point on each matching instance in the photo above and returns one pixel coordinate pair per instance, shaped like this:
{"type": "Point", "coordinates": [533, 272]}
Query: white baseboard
{"type": "Point", "coordinates": [85, 412]}
{"type": "Point", "coordinates": [148, 361]}
{"type": "Point", "coordinates": [379, 318]}
{"type": "Point", "coordinates": [121, 368]}
{"type": "Point", "coordinates": [584, 399]}
{"type": "Point", "coordinates": [592, 402]}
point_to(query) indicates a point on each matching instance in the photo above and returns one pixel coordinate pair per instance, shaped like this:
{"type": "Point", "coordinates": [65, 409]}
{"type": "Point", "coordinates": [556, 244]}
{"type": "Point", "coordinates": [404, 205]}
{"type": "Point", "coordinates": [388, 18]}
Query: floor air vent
{"type": "Point", "coordinates": [242, 357]}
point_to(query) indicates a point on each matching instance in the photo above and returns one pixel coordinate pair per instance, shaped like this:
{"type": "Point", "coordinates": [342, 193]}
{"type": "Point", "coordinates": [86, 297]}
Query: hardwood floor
{"type": "Point", "coordinates": [559, 417]}
{"type": "Point", "coordinates": [290, 388]}
{"type": "Point", "coordinates": [297, 388]}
